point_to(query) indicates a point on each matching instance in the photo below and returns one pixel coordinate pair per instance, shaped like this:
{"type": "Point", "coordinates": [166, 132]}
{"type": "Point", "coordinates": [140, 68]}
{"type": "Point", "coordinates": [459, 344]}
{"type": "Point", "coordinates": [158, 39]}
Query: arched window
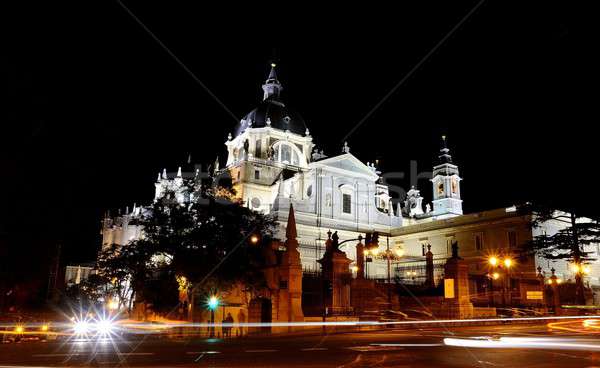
{"type": "Point", "coordinates": [286, 153]}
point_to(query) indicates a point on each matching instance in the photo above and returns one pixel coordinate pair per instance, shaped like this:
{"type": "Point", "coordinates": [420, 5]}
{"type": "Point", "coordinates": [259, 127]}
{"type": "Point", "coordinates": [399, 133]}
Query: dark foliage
{"type": "Point", "coordinates": [570, 243]}
{"type": "Point", "coordinates": [196, 231]}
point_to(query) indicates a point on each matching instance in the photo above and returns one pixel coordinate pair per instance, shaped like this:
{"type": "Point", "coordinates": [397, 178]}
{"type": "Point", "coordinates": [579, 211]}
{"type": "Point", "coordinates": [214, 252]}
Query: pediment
{"type": "Point", "coordinates": [348, 164]}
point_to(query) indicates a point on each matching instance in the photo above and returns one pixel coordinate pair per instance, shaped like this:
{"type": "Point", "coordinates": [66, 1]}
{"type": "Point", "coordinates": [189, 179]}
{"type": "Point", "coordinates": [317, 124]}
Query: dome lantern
{"type": "Point", "coordinates": [272, 88]}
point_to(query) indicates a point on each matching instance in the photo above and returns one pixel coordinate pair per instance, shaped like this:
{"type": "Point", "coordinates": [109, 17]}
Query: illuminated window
{"type": "Point", "coordinates": [286, 154]}
{"type": "Point", "coordinates": [440, 189]}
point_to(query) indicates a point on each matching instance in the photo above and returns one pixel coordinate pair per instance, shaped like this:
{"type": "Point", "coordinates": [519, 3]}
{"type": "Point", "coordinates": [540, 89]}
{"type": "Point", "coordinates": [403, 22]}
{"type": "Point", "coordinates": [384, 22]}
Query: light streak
{"type": "Point", "coordinates": [96, 325]}
{"type": "Point", "coordinates": [351, 323]}
{"type": "Point", "coordinates": [407, 345]}
{"type": "Point", "coordinates": [525, 342]}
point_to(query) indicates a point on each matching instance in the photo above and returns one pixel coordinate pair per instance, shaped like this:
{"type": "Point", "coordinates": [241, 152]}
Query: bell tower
{"type": "Point", "coordinates": [446, 186]}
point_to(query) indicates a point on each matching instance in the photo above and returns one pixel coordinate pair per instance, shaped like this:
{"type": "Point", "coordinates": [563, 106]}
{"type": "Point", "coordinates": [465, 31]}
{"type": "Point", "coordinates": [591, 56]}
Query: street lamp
{"type": "Point", "coordinates": [507, 263]}
{"type": "Point", "coordinates": [113, 304]}
{"type": "Point", "coordinates": [254, 239]}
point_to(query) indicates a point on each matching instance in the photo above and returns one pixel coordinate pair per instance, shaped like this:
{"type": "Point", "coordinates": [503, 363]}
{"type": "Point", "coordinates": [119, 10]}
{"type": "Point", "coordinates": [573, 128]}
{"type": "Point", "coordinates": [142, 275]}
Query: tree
{"type": "Point", "coordinates": [570, 243]}
{"type": "Point", "coordinates": [193, 230]}
{"type": "Point", "coordinates": [88, 293]}
{"type": "Point", "coordinates": [127, 268]}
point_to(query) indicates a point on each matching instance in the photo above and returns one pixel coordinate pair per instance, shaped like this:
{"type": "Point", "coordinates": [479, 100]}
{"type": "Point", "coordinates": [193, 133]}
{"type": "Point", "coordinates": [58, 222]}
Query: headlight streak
{"type": "Point", "coordinates": [152, 327]}
{"type": "Point", "coordinates": [525, 342]}
{"type": "Point", "coordinates": [107, 326]}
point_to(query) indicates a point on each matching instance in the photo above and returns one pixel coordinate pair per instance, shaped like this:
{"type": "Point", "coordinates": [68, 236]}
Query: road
{"type": "Point", "coordinates": [389, 348]}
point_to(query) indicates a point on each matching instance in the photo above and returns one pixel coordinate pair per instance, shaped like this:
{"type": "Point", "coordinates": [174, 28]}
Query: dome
{"type": "Point", "coordinates": [272, 111]}
{"type": "Point", "coordinates": [281, 117]}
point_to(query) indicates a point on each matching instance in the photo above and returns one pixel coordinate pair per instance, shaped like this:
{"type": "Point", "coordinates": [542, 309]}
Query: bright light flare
{"type": "Point", "coordinates": [493, 261]}
{"type": "Point", "coordinates": [113, 305]}
{"type": "Point", "coordinates": [213, 302]}
{"type": "Point", "coordinates": [19, 329]}
{"type": "Point", "coordinates": [508, 262]}
{"type": "Point", "coordinates": [81, 327]}
{"type": "Point", "coordinates": [104, 327]}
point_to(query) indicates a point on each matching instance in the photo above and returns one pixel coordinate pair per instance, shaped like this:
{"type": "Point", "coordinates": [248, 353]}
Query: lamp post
{"type": "Point", "coordinates": [491, 277]}
{"type": "Point", "coordinates": [554, 281]}
{"type": "Point", "coordinates": [213, 303]}
{"type": "Point", "coordinates": [507, 287]}
{"type": "Point", "coordinates": [389, 256]}
{"type": "Point", "coordinates": [505, 263]}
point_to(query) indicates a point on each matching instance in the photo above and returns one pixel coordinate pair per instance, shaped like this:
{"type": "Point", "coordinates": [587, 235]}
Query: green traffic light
{"type": "Point", "coordinates": [213, 302]}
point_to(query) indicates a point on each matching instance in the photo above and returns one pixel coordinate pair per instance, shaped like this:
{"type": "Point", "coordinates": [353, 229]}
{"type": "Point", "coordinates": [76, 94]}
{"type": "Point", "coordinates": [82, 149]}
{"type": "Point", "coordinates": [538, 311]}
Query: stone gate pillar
{"type": "Point", "coordinates": [289, 306]}
{"type": "Point", "coordinates": [336, 276]}
{"type": "Point", "coordinates": [456, 286]}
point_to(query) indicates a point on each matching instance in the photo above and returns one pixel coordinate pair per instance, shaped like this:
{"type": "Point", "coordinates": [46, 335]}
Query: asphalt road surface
{"type": "Point", "coordinates": [389, 348]}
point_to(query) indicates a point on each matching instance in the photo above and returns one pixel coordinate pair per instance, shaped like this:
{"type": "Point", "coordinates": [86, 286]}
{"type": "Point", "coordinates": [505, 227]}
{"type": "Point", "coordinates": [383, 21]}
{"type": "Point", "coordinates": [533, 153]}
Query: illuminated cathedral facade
{"type": "Point", "coordinates": [273, 163]}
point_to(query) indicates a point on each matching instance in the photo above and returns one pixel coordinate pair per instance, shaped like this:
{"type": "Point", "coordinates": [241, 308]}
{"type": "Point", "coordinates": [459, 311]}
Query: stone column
{"type": "Point", "coordinates": [456, 286]}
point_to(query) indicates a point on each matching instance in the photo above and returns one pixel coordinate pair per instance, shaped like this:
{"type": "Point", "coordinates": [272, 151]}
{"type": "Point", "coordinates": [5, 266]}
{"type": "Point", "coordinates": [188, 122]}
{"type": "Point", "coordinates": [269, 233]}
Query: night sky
{"type": "Point", "coordinates": [94, 107]}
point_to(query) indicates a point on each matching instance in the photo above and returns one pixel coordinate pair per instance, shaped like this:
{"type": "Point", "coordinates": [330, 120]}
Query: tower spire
{"type": "Point", "coordinates": [445, 157]}
{"type": "Point", "coordinates": [290, 230]}
{"type": "Point", "coordinates": [272, 87]}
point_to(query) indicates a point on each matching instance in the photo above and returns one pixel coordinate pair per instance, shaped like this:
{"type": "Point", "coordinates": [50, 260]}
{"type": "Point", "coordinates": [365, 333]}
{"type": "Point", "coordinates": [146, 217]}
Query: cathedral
{"type": "Point", "coordinates": [274, 163]}
{"type": "Point", "coordinates": [324, 205]}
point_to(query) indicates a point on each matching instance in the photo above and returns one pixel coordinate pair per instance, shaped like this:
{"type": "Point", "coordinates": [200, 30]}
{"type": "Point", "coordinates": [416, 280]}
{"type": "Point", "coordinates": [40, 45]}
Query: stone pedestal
{"type": "Point", "coordinates": [456, 287]}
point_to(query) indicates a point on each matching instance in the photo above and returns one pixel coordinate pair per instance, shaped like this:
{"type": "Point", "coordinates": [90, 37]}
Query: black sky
{"type": "Point", "coordinates": [94, 107]}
